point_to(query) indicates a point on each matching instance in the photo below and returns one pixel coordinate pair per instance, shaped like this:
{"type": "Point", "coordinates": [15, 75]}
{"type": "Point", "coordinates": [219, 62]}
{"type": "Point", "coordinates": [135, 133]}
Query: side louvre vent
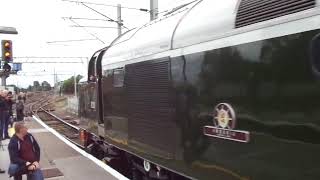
{"type": "Point", "coordinates": [254, 11]}
{"type": "Point", "coordinates": [149, 109]}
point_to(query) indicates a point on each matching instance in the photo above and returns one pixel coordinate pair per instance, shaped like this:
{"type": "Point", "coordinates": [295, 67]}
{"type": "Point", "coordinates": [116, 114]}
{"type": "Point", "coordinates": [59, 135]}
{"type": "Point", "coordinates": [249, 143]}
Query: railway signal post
{"type": "Point", "coordinates": [6, 47]}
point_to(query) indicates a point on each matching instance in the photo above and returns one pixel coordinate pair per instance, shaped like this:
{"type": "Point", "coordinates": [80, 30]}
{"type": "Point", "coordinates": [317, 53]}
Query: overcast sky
{"type": "Point", "coordinates": [40, 22]}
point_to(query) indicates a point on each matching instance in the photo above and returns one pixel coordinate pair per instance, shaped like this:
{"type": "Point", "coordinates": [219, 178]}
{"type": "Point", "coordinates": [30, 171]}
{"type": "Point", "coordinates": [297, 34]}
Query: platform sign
{"type": "Point", "coordinates": [16, 66]}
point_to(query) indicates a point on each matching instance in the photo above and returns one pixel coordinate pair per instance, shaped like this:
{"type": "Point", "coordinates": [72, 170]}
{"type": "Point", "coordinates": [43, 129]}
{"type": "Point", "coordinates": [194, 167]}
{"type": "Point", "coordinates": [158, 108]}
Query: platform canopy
{"type": "Point", "coordinates": [8, 30]}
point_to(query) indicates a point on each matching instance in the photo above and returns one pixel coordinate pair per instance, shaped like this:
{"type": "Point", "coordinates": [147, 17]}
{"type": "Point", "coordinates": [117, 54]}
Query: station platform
{"type": "Point", "coordinates": [60, 160]}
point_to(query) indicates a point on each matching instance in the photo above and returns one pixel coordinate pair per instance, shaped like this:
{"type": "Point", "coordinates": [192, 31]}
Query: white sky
{"type": "Point", "coordinates": [40, 21]}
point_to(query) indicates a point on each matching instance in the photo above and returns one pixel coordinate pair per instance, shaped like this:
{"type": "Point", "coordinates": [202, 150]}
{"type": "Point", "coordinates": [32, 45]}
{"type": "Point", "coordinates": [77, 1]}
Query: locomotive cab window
{"type": "Point", "coordinates": [92, 70]}
{"type": "Point", "coordinates": [108, 73]}
{"type": "Point", "coordinates": [118, 77]}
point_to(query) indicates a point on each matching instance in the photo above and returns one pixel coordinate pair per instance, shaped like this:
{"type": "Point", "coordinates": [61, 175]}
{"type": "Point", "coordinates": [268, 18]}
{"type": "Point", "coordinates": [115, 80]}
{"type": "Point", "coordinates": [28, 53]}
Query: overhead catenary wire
{"type": "Point", "coordinates": [88, 19]}
{"type": "Point", "coordinates": [50, 62]}
{"type": "Point", "coordinates": [54, 44]}
{"type": "Point", "coordinates": [108, 18]}
{"type": "Point", "coordinates": [43, 71]}
{"type": "Point", "coordinates": [88, 31]}
{"type": "Point", "coordinates": [100, 27]}
{"type": "Point", "coordinates": [176, 7]}
{"type": "Point", "coordinates": [73, 40]}
{"type": "Point", "coordinates": [164, 11]}
{"type": "Point", "coordinates": [119, 22]}
{"type": "Point", "coordinates": [23, 74]}
{"type": "Point", "coordinates": [112, 20]}
{"type": "Point", "coordinates": [109, 5]}
{"type": "Point", "coordinates": [29, 59]}
{"type": "Point", "coordinates": [49, 57]}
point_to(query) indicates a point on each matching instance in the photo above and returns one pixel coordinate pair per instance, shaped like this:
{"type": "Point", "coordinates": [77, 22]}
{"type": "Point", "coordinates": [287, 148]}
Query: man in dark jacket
{"type": "Point", "coordinates": [6, 113]}
{"type": "Point", "coordinates": [9, 102]}
{"type": "Point", "coordinates": [24, 154]}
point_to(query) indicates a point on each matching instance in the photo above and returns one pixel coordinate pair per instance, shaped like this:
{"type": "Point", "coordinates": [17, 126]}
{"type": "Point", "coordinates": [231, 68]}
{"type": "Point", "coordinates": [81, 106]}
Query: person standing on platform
{"type": "Point", "coordinates": [20, 109]}
{"type": "Point", "coordinates": [10, 102]}
{"type": "Point", "coordinates": [24, 154]}
{"type": "Point", "coordinates": [3, 109]}
{"type": "Point", "coordinates": [1, 170]}
{"type": "Point", "coordinates": [6, 113]}
{"type": "Point", "coordinates": [1, 120]}
{"type": "Point", "coordinates": [24, 97]}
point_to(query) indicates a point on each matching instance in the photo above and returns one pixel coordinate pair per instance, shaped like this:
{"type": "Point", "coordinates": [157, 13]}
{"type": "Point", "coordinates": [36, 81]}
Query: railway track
{"type": "Point", "coordinates": [67, 128]}
{"type": "Point", "coordinates": [42, 106]}
{"type": "Point", "coordinates": [37, 100]}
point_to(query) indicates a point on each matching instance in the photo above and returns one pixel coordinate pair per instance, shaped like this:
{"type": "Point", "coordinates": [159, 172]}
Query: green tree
{"type": "Point", "coordinates": [45, 86]}
{"type": "Point", "coordinates": [36, 86]}
{"type": "Point", "coordinates": [68, 85]}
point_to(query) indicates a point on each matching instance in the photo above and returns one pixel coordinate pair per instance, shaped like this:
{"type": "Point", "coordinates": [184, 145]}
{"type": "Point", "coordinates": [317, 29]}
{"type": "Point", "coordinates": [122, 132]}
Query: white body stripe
{"type": "Point", "coordinates": [300, 22]}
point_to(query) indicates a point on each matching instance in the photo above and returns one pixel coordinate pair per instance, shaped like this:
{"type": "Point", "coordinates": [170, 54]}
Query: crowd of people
{"type": "Point", "coordinates": [6, 111]}
{"type": "Point", "coordinates": [24, 151]}
{"type": "Point", "coordinates": [7, 117]}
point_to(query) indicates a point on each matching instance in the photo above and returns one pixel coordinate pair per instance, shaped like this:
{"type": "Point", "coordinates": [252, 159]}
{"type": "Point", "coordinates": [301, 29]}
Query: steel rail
{"type": "Point", "coordinates": [61, 120]}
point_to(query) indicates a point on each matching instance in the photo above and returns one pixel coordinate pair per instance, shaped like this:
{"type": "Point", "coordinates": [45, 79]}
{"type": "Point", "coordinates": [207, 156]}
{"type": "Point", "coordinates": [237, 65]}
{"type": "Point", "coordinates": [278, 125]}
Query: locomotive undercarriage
{"type": "Point", "coordinates": [130, 165]}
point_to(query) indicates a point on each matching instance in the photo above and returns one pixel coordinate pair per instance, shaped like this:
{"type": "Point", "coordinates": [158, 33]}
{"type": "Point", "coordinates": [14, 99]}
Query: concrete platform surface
{"type": "Point", "coordinates": [55, 153]}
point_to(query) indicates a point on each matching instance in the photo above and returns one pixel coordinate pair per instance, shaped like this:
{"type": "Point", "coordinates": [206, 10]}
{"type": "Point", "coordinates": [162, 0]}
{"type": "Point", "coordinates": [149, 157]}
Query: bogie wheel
{"type": "Point", "coordinates": [136, 174]}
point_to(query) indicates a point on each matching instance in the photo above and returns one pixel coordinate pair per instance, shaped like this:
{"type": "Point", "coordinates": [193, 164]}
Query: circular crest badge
{"type": "Point", "coordinates": [224, 116]}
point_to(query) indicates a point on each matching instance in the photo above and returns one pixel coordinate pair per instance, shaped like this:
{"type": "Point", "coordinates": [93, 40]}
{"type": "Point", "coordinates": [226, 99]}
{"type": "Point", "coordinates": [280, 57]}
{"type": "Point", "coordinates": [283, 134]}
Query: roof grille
{"type": "Point", "coordinates": [254, 11]}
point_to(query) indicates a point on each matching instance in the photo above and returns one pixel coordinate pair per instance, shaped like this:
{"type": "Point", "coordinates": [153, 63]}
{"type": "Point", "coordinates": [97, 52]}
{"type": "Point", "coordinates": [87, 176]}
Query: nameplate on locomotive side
{"type": "Point", "coordinates": [224, 121]}
{"type": "Point", "coordinates": [233, 135]}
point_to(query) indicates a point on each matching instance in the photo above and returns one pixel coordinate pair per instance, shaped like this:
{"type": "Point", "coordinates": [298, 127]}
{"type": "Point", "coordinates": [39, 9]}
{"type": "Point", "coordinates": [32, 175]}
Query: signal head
{"type": "Point", "coordinates": [6, 50]}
